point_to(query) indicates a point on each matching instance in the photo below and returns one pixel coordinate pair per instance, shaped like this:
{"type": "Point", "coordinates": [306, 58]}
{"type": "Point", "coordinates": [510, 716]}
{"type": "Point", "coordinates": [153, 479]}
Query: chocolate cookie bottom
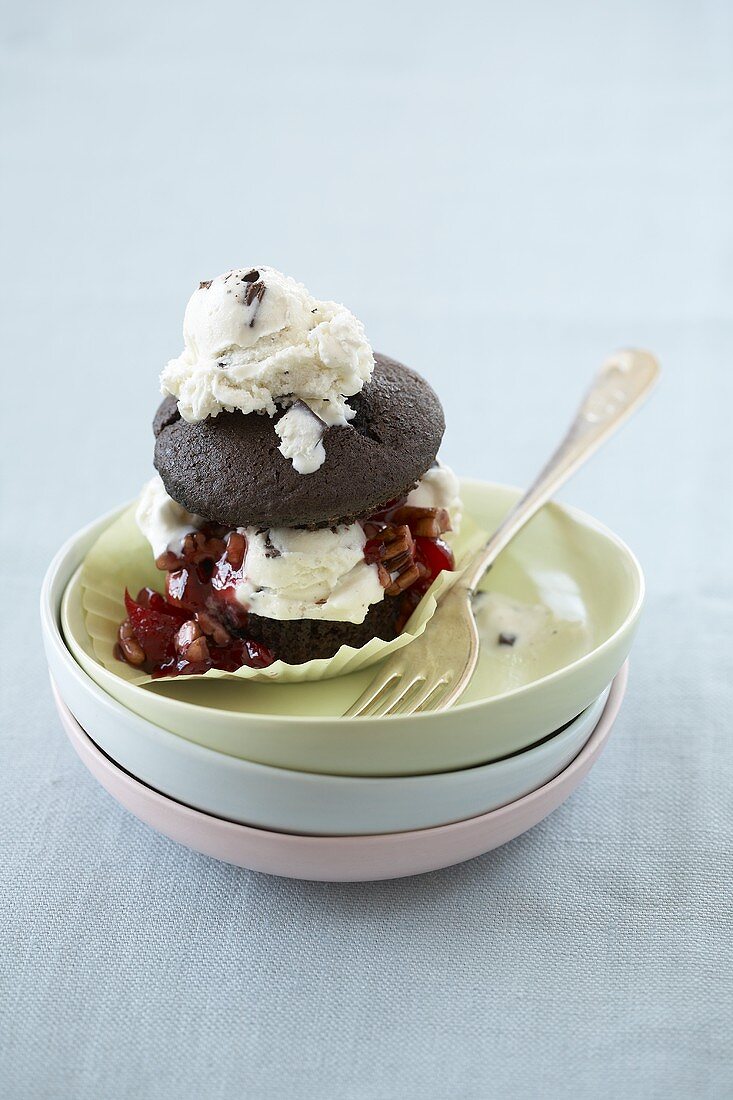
{"type": "Point", "coordinates": [296, 641]}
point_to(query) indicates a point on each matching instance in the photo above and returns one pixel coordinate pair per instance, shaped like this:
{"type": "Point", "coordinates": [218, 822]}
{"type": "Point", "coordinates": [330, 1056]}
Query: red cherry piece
{"type": "Point", "coordinates": [373, 549]}
{"type": "Point", "coordinates": [185, 589]}
{"type": "Point", "coordinates": [154, 630]}
{"type": "Point", "coordinates": [436, 555]}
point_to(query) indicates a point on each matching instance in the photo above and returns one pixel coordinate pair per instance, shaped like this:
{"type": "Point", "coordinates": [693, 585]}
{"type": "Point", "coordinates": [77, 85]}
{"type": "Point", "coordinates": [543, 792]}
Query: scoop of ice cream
{"type": "Point", "coordinates": [296, 574]}
{"type": "Point", "coordinates": [163, 522]}
{"type": "Point", "coordinates": [254, 338]}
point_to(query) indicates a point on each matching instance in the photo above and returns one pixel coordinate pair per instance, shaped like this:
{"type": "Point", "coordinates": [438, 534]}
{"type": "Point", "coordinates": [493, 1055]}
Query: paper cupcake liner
{"type": "Point", "coordinates": [122, 558]}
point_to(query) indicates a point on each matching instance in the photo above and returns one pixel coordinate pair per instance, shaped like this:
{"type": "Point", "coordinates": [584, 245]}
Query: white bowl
{"type": "Point", "coordinates": [305, 802]}
{"type": "Point", "coordinates": [342, 858]}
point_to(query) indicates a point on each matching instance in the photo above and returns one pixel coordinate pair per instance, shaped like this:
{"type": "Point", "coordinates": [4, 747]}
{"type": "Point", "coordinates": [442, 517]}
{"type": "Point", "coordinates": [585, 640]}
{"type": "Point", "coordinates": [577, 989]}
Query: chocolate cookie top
{"type": "Point", "coordinates": [228, 468]}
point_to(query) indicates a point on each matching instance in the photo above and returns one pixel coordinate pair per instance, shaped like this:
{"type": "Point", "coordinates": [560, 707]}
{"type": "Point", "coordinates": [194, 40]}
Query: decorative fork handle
{"type": "Point", "coordinates": [623, 382]}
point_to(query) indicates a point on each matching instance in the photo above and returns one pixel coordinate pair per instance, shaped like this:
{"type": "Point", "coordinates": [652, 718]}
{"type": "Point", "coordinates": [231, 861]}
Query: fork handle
{"type": "Point", "coordinates": [623, 382]}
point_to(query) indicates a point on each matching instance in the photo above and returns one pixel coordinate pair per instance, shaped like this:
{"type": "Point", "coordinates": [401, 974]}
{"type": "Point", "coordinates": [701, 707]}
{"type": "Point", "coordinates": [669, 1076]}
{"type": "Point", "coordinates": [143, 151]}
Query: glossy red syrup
{"type": "Point", "coordinates": [204, 589]}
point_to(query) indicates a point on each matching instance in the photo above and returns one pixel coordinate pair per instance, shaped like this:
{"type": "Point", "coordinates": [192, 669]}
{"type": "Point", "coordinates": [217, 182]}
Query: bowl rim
{"type": "Point", "coordinates": [362, 842]}
{"type": "Point", "coordinates": [50, 616]}
{"type": "Point", "coordinates": [192, 748]}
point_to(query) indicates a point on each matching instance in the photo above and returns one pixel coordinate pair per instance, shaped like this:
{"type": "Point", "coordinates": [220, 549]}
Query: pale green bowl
{"type": "Point", "coordinates": [563, 558]}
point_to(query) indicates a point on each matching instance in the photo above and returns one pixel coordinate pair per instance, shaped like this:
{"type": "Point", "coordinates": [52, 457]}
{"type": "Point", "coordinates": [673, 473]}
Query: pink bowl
{"type": "Point", "coordinates": [347, 858]}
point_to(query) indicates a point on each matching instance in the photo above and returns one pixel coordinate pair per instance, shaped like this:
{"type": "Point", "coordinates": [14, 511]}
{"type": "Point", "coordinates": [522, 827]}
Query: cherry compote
{"type": "Point", "coordinates": [405, 544]}
{"type": "Point", "coordinates": [199, 624]}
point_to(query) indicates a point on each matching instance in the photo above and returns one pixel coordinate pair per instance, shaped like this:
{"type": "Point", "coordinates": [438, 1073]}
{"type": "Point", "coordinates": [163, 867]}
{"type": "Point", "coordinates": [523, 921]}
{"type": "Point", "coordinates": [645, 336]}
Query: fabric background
{"type": "Point", "coordinates": [503, 193]}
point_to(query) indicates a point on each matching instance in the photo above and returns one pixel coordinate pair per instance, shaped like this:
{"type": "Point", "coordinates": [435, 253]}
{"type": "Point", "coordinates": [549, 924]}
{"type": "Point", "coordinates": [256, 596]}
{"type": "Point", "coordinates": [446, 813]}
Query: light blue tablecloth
{"type": "Point", "coordinates": [503, 192]}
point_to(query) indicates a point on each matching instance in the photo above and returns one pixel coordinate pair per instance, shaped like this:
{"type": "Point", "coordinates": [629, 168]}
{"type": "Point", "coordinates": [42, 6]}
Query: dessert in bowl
{"type": "Point", "coordinates": [299, 506]}
{"type": "Point", "coordinates": [300, 525]}
{"type": "Point", "coordinates": [299, 801]}
{"type": "Point", "coordinates": [519, 694]}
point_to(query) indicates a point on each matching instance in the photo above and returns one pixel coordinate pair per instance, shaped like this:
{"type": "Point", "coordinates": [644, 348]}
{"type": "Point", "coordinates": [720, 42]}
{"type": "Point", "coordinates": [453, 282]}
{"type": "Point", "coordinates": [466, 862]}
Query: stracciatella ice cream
{"type": "Point", "coordinates": [300, 432]}
{"type": "Point", "coordinates": [290, 573]}
{"type": "Point", "coordinates": [163, 521]}
{"type": "Point", "coordinates": [257, 340]}
{"type": "Point", "coordinates": [295, 574]}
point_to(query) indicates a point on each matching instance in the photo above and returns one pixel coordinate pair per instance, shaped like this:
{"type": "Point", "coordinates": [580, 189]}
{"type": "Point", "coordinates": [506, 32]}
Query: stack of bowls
{"type": "Point", "coordinates": [271, 777]}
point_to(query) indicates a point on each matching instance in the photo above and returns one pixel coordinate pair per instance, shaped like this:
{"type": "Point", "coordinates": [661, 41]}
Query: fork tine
{"type": "Point", "coordinates": [428, 688]}
{"type": "Point", "coordinates": [431, 699]}
{"type": "Point", "coordinates": [386, 701]}
{"type": "Point", "coordinates": [391, 696]}
{"type": "Point", "coordinates": [410, 698]}
{"type": "Point", "coordinates": [404, 701]}
{"type": "Point", "coordinates": [374, 691]}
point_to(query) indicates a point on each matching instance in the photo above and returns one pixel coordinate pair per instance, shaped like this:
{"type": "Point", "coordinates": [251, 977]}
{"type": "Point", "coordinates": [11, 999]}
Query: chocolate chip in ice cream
{"type": "Point", "coordinates": [253, 296]}
{"type": "Point", "coordinates": [254, 290]}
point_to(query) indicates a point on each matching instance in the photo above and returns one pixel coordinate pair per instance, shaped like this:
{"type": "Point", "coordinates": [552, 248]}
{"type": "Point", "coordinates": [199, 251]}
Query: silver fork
{"type": "Point", "coordinates": [431, 672]}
